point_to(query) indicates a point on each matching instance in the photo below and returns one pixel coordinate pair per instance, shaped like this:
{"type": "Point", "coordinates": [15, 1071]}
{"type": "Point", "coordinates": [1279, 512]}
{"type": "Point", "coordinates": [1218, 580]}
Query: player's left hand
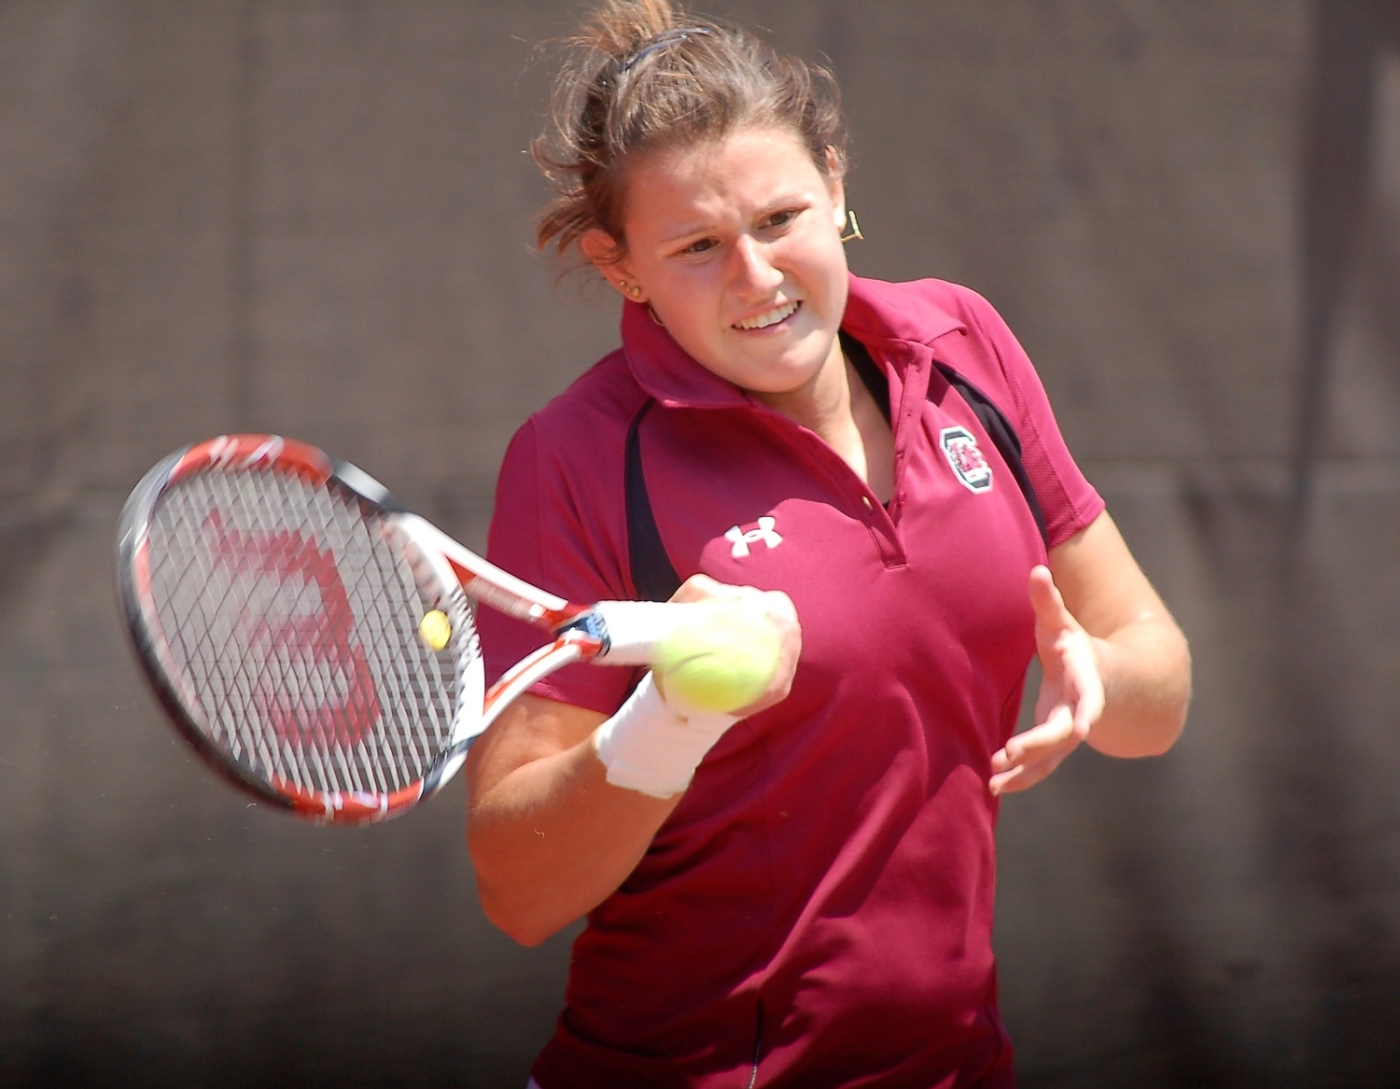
{"type": "Point", "coordinates": [1071, 695]}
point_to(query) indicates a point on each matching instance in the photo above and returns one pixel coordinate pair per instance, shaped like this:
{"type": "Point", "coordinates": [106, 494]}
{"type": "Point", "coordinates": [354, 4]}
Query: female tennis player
{"type": "Point", "coordinates": [799, 894]}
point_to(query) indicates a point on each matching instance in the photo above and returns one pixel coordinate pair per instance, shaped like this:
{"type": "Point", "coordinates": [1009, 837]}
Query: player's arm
{"type": "Point", "coordinates": [549, 837]}
{"type": "Point", "coordinates": [1117, 670]}
{"type": "Point", "coordinates": [564, 801]}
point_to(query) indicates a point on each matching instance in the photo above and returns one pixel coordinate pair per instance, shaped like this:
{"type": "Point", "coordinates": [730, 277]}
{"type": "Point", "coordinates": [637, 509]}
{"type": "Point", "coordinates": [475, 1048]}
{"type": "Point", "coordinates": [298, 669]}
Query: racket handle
{"type": "Point", "coordinates": [634, 628]}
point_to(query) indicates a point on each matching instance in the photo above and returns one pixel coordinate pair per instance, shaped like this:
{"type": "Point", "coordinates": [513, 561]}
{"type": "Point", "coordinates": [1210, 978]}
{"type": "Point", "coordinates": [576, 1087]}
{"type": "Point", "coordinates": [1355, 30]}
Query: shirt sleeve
{"type": "Point", "coordinates": [538, 533]}
{"type": "Point", "coordinates": [1069, 501]}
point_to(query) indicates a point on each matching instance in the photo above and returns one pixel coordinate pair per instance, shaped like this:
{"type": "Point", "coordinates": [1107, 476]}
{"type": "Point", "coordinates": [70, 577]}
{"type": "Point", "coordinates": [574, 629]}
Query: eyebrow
{"type": "Point", "coordinates": [689, 232]}
{"type": "Point", "coordinates": [784, 201]}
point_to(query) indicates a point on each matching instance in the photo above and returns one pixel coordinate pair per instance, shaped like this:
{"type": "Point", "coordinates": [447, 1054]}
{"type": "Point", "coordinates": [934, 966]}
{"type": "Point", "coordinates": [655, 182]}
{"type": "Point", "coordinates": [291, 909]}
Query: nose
{"type": "Point", "coordinates": [754, 274]}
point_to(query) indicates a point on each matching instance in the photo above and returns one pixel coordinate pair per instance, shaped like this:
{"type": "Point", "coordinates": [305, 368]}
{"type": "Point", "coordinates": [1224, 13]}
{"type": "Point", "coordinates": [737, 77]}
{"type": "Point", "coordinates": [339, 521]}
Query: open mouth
{"type": "Point", "coordinates": [770, 317]}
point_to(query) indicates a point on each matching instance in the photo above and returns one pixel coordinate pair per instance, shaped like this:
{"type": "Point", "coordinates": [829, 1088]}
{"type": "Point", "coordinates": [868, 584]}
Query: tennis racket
{"type": "Point", "coordinates": [314, 642]}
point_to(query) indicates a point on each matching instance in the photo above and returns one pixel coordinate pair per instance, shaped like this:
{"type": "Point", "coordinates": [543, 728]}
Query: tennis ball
{"type": "Point", "coordinates": [435, 629]}
{"type": "Point", "coordinates": [718, 659]}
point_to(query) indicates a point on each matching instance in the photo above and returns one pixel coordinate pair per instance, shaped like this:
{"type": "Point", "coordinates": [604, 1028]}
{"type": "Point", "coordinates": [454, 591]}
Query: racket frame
{"type": "Point", "coordinates": [581, 632]}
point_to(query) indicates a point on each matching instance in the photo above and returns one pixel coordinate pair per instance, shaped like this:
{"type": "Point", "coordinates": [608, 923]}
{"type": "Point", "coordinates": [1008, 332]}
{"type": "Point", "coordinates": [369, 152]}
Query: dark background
{"type": "Point", "coordinates": [313, 217]}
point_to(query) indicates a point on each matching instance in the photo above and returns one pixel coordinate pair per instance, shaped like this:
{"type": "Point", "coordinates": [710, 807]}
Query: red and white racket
{"type": "Point", "coordinates": [314, 642]}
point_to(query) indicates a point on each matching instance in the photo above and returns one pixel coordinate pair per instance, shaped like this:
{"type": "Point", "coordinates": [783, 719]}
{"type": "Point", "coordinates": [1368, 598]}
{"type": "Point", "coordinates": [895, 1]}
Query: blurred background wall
{"type": "Point", "coordinates": [313, 216]}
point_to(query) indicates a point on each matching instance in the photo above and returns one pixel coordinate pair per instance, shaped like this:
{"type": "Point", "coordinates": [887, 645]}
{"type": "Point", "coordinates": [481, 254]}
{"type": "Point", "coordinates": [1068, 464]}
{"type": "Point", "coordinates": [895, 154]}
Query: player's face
{"type": "Point", "coordinates": [736, 245]}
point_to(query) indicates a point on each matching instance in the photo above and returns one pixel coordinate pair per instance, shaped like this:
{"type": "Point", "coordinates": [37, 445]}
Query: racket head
{"type": "Point", "coordinates": [276, 611]}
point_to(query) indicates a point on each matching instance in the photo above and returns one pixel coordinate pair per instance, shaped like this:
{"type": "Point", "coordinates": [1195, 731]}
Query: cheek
{"type": "Point", "coordinates": [830, 276]}
{"type": "Point", "coordinates": [687, 289]}
{"type": "Point", "coordinates": [823, 259]}
{"type": "Point", "coordinates": [694, 325]}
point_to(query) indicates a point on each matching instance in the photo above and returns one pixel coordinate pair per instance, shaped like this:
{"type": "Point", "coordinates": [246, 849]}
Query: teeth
{"type": "Point", "coordinates": [771, 317]}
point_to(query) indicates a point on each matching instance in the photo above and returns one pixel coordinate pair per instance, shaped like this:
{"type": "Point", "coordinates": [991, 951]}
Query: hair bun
{"type": "Point", "coordinates": [641, 75]}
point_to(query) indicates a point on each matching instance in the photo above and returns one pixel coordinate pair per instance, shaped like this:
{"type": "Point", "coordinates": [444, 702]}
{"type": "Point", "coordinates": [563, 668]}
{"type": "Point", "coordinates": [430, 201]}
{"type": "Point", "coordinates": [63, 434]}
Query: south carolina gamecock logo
{"type": "Point", "coordinates": [967, 460]}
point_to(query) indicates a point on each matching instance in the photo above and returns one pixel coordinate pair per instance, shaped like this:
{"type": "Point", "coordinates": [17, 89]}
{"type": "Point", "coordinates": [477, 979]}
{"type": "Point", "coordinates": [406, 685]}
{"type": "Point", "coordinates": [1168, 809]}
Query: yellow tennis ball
{"type": "Point", "coordinates": [435, 629]}
{"type": "Point", "coordinates": [719, 659]}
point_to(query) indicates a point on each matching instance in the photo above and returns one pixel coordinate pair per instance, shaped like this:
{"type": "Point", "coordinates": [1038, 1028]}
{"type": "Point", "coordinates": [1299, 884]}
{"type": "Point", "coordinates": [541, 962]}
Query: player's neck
{"type": "Point", "coordinates": [836, 406]}
{"type": "Point", "coordinates": [823, 404]}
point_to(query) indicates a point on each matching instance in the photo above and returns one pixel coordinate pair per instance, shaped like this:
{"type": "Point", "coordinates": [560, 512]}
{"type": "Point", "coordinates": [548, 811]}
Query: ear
{"type": "Point", "coordinates": [836, 187]}
{"type": "Point", "coordinates": [611, 260]}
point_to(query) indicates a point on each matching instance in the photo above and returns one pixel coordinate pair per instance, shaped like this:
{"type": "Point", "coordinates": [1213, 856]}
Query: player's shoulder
{"type": "Point", "coordinates": [598, 405]}
{"type": "Point", "coordinates": [957, 301]}
{"type": "Point", "coordinates": [920, 310]}
{"type": "Point", "coordinates": [962, 327]}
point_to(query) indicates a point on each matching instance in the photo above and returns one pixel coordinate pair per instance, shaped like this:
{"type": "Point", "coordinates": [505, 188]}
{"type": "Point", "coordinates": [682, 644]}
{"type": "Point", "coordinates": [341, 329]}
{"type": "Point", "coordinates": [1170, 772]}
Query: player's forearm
{"type": "Point", "coordinates": [553, 839]}
{"type": "Point", "coordinates": [1146, 671]}
{"type": "Point", "coordinates": [564, 806]}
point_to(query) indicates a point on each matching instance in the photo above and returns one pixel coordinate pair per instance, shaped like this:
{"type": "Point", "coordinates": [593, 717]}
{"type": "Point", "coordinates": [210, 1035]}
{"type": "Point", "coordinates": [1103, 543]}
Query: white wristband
{"type": "Point", "coordinates": [650, 748]}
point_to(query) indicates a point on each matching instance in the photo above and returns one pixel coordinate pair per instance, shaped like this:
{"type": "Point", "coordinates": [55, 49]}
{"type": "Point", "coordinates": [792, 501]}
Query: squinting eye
{"type": "Point", "coordinates": [782, 219]}
{"type": "Point", "coordinates": [700, 247]}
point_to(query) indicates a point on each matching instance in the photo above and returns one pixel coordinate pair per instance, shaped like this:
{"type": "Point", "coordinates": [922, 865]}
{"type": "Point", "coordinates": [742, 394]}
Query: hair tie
{"type": "Point", "coordinates": [660, 41]}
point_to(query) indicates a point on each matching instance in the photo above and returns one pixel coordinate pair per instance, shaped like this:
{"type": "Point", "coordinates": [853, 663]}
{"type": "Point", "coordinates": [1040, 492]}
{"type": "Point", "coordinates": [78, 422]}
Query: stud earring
{"type": "Point", "coordinates": [852, 232]}
{"type": "Point", "coordinates": [632, 291]}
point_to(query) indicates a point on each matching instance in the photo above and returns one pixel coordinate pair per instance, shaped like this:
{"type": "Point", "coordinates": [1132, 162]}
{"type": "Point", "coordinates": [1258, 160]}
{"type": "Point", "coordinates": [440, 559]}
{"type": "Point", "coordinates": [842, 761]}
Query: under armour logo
{"type": "Point", "coordinates": [741, 540]}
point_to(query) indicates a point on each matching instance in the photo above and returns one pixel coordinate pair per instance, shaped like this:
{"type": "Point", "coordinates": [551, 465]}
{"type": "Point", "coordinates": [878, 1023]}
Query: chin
{"type": "Point", "coordinates": [791, 374]}
{"type": "Point", "coordinates": [785, 381]}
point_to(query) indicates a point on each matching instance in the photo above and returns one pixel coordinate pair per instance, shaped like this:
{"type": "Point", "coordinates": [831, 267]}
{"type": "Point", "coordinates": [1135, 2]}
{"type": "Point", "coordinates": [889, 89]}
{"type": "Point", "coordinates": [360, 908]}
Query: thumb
{"type": "Point", "coordinates": [1046, 600]}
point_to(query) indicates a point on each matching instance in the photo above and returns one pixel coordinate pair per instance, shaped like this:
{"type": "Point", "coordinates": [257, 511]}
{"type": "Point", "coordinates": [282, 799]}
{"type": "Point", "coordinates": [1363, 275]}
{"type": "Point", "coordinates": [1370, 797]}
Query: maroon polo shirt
{"type": "Point", "coordinates": [820, 901]}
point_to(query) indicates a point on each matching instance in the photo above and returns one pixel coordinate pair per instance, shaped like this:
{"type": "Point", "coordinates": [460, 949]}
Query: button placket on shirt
{"type": "Point", "coordinates": [861, 503]}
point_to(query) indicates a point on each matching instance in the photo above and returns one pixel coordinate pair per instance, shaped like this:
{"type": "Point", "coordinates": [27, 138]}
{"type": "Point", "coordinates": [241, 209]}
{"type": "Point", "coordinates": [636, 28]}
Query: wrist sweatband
{"type": "Point", "coordinates": [650, 748]}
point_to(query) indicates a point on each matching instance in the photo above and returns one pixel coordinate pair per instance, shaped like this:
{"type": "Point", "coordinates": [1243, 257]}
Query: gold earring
{"type": "Point", "coordinates": [632, 291]}
{"type": "Point", "coordinates": [852, 233]}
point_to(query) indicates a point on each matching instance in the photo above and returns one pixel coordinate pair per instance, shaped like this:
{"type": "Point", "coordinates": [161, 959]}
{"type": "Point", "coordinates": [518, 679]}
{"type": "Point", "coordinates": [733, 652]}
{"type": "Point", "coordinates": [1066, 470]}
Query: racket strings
{"type": "Point", "coordinates": [412, 675]}
{"type": "Point", "coordinates": [292, 623]}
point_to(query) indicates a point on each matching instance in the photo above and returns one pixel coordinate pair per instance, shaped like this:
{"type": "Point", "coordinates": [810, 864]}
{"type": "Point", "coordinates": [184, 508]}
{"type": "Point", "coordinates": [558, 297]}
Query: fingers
{"type": "Point", "coordinates": [1081, 682]}
{"type": "Point", "coordinates": [704, 588]}
{"type": "Point", "coordinates": [1071, 700]}
{"type": "Point", "coordinates": [1056, 733]}
{"type": "Point", "coordinates": [1024, 776]}
{"type": "Point", "coordinates": [1030, 757]}
{"type": "Point", "coordinates": [1046, 600]}
{"type": "Point", "coordinates": [1066, 652]}
{"type": "Point", "coordinates": [778, 608]}
{"type": "Point", "coordinates": [1090, 705]}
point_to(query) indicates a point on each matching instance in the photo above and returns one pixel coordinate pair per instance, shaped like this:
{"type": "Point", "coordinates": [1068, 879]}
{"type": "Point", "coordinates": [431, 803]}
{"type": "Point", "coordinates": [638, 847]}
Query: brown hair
{"type": "Point", "coordinates": [643, 76]}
